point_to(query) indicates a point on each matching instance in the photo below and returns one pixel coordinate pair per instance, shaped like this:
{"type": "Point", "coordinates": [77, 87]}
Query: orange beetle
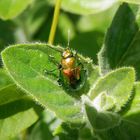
{"type": "Point", "coordinates": [71, 71]}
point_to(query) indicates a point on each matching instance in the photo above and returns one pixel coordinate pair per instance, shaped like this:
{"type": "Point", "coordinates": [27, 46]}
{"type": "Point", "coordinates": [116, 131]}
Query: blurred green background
{"type": "Point", "coordinates": [86, 32]}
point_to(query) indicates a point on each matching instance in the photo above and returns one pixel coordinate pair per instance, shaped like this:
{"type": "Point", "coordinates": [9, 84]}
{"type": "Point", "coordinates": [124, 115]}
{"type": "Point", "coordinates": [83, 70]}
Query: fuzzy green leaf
{"type": "Point", "coordinates": [85, 7]}
{"type": "Point", "coordinates": [130, 125]}
{"type": "Point", "coordinates": [101, 120]}
{"type": "Point", "coordinates": [117, 84]}
{"type": "Point", "coordinates": [123, 126]}
{"type": "Point", "coordinates": [11, 8]}
{"type": "Point", "coordinates": [27, 66]}
{"type": "Point", "coordinates": [119, 38]}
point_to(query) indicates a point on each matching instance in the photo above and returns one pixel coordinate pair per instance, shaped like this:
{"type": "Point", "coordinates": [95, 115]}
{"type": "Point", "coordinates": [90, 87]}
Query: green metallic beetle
{"type": "Point", "coordinates": [72, 75]}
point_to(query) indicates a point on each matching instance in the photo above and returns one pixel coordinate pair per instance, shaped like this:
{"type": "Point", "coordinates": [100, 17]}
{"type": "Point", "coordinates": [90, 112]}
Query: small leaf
{"type": "Point", "coordinates": [117, 84]}
{"type": "Point", "coordinates": [11, 8]}
{"type": "Point", "coordinates": [85, 7]}
{"type": "Point", "coordinates": [104, 102]}
{"type": "Point", "coordinates": [27, 67]}
{"type": "Point", "coordinates": [129, 127]}
{"type": "Point", "coordinates": [101, 120]}
{"type": "Point", "coordinates": [119, 37]}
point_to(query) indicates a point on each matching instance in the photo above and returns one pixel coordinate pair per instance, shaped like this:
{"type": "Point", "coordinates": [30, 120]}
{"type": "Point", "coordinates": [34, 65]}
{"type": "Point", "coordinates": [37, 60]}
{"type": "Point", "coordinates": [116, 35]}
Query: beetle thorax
{"type": "Point", "coordinates": [68, 63]}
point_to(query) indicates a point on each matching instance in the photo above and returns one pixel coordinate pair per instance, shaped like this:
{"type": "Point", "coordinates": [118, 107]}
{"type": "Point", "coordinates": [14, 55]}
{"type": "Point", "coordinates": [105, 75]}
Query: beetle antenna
{"type": "Point", "coordinates": [68, 37]}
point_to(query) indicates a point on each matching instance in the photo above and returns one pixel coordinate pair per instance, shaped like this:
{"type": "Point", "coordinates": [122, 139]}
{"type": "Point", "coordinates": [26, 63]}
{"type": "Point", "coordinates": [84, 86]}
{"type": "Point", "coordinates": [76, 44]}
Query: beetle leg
{"type": "Point", "coordinates": [59, 81]}
{"type": "Point", "coordinates": [49, 71]}
{"type": "Point", "coordinates": [80, 64]}
{"type": "Point", "coordinates": [60, 67]}
{"type": "Point", "coordinates": [52, 59]}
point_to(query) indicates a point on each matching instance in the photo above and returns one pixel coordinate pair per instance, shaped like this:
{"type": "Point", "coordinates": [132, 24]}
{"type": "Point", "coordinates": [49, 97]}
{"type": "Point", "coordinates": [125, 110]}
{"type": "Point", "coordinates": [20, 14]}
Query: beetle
{"type": "Point", "coordinates": [72, 74]}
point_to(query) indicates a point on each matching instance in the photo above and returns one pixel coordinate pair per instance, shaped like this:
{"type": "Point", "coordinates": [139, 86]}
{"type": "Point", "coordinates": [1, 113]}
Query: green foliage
{"type": "Point", "coordinates": [101, 121]}
{"type": "Point", "coordinates": [33, 106]}
{"type": "Point", "coordinates": [15, 107]}
{"type": "Point", "coordinates": [119, 40]}
{"type": "Point", "coordinates": [35, 75]}
{"type": "Point", "coordinates": [115, 127]}
{"type": "Point", "coordinates": [114, 86]}
{"type": "Point", "coordinates": [30, 61]}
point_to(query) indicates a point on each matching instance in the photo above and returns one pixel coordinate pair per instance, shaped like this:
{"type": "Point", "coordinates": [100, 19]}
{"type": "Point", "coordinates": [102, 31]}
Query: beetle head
{"type": "Point", "coordinates": [67, 53]}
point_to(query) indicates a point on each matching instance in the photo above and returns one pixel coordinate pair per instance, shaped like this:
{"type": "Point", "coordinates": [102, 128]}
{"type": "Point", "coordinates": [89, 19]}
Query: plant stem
{"type": "Point", "coordinates": [55, 21]}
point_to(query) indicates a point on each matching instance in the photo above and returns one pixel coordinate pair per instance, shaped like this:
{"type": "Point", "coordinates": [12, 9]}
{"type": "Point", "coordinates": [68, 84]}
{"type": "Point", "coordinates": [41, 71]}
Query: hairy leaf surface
{"type": "Point", "coordinates": [27, 67]}
{"type": "Point", "coordinates": [117, 85]}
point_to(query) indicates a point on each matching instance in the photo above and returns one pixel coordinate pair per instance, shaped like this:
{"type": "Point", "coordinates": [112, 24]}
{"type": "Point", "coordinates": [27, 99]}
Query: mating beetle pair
{"type": "Point", "coordinates": [72, 74]}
